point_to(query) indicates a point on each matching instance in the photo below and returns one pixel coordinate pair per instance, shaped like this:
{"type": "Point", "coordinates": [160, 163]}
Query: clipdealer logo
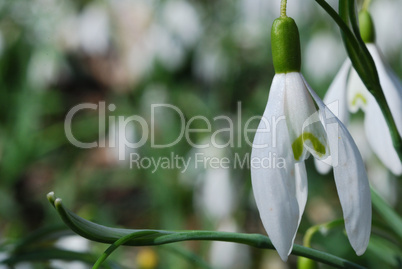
{"type": "Point", "coordinates": [235, 133]}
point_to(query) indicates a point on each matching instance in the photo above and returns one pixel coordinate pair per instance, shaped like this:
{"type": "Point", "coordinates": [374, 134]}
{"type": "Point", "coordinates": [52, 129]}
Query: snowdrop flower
{"type": "Point", "coordinates": [291, 129]}
{"type": "Point", "coordinates": [349, 91]}
{"type": "Point", "coordinates": [380, 178]}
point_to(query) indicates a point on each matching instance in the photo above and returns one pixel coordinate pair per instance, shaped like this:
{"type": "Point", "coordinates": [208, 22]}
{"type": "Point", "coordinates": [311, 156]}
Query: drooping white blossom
{"type": "Point", "coordinates": [349, 93]}
{"type": "Point", "coordinates": [296, 129]}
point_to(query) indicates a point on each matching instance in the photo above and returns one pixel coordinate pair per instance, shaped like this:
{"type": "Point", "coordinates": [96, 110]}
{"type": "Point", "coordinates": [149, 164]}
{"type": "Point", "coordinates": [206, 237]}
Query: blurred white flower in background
{"type": "Point", "coordinates": [131, 20]}
{"type": "Point", "coordinates": [67, 34]}
{"type": "Point", "coordinates": [384, 182]}
{"type": "Point", "coordinates": [182, 20]}
{"type": "Point", "coordinates": [165, 48]}
{"type": "Point", "coordinates": [44, 67]}
{"type": "Point", "coordinates": [3, 256]}
{"type": "Point", "coordinates": [215, 193]}
{"type": "Point", "coordinates": [323, 48]}
{"type": "Point", "coordinates": [20, 265]}
{"type": "Point", "coordinates": [176, 29]}
{"type": "Point", "coordinates": [226, 255]}
{"type": "Point", "coordinates": [93, 30]}
{"type": "Point", "coordinates": [72, 243]}
{"type": "Point", "coordinates": [254, 16]}
{"type": "Point", "coordinates": [122, 137]}
{"type": "Point", "coordinates": [387, 15]}
{"type": "Point", "coordinates": [210, 64]}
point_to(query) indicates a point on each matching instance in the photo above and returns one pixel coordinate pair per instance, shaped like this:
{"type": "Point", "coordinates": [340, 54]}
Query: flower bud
{"type": "Point", "coordinates": [367, 30]}
{"type": "Point", "coordinates": [285, 45]}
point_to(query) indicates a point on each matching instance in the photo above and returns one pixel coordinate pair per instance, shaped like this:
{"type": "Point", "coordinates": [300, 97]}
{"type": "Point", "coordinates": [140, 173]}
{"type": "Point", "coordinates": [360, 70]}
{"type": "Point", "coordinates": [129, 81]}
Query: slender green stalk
{"type": "Point", "coordinates": [283, 8]}
{"type": "Point", "coordinates": [146, 237]}
{"type": "Point", "coordinates": [371, 79]}
{"type": "Point", "coordinates": [314, 229]}
{"type": "Point", "coordinates": [348, 34]}
{"type": "Point", "coordinates": [366, 4]}
{"type": "Point", "coordinates": [369, 73]}
{"type": "Point", "coordinates": [362, 61]}
{"type": "Point", "coordinates": [115, 245]}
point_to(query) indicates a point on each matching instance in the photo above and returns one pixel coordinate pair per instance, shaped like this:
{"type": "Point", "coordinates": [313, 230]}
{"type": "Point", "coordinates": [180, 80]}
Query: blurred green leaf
{"type": "Point", "coordinates": [393, 220]}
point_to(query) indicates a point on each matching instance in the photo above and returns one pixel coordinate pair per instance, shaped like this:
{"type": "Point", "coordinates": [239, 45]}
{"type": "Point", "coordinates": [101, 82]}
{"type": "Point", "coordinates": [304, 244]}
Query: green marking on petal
{"type": "Point", "coordinates": [298, 145]}
{"type": "Point", "coordinates": [357, 97]}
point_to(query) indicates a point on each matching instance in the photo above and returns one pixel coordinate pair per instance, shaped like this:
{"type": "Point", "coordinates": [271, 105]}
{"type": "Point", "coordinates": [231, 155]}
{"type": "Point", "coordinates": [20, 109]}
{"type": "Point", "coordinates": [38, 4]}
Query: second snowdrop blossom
{"type": "Point", "coordinates": [309, 128]}
{"type": "Point", "coordinates": [349, 92]}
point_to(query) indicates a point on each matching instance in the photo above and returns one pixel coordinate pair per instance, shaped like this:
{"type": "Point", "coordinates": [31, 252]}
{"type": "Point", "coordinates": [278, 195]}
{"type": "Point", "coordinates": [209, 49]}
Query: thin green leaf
{"type": "Point", "coordinates": [147, 237]}
{"type": "Point", "coordinates": [386, 251]}
{"type": "Point", "coordinates": [393, 220]}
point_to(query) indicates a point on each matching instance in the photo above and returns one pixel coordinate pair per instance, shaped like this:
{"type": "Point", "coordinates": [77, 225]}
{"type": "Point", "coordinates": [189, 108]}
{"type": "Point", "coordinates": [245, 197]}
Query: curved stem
{"type": "Point", "coordinates": [283, 8]}
{"type": "Point", "coordinates": [146, 237]}
{"type": "Point", "coordinates": [314, 229]}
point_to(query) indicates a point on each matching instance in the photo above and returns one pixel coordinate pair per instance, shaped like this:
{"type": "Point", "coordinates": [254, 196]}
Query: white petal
{"type": "Point", "coordinates": [383, 182]}
{"type": "Point", "coordinates": [301, 187]}
{"type": "Point", "coordinates": [350, 178]}
{"type": "Point", "coordinates": [357, 94]}
{"type": "Point", "coordinates": [390, 85]}
{"type": "Point", "coordinates": [275, 187]}
{"type": "Point", "coordinates": [379, 137]}
{"type": "Point", "coordinates": [335, 98]}
{"type": "Point", "coordinates": [305, 128]}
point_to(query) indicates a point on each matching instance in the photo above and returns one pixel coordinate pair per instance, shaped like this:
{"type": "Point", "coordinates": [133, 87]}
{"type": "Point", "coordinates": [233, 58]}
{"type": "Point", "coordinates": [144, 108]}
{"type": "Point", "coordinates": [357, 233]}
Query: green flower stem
{"type": "Point", "coordinates": [186, 254]}
{"type": "Point", "coordinates": [348, 37]}
{"type": "Point", "coordinates": [366, 4]}
{"type": "Point", "coordinates": [358, 53]}
{"type": "Point", "coordinates": [283, 8]}
{"type": "Point", "coordinates": [146, 237]}
{"type": "Point", "coordinates": [371, 80]}
{"type": "Point", "coordinates": [368, 61]}
{"type": "Point", "coordinates": [321, 227]}
{"type": "Point", "coordinates": [362, 62]}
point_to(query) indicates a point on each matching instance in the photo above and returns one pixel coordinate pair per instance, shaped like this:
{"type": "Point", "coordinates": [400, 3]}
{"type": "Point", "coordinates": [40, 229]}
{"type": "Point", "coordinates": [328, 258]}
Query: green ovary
{"type": "Point", "coordinates": [357, 97]}
{"type": "Point", "coordinates": [297, 145]}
